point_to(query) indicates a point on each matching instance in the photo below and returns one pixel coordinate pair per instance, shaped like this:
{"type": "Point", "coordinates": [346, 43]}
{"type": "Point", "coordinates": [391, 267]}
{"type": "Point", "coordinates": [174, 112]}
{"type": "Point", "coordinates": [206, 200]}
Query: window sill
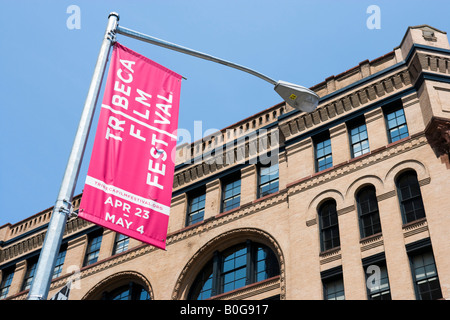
{"type": "Point", "coordinates": [330, 251]}
{"type": "Point", "coordinates": [371, 238]}
{"type": "Point", "coordinates": [414, 223]}
{"type": "Point", "coordinates": [269, 287]}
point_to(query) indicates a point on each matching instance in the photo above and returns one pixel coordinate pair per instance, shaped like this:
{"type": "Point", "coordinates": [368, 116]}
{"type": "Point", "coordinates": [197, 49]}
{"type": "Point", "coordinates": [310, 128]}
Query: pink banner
{"type": "Point", "coordinates": [129, 182]}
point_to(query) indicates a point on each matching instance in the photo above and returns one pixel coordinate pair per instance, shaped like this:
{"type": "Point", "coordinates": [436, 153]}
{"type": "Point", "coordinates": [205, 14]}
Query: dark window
{"type": "Point", "coordinates": [121, 243]}
{"type": "Point", "coordinates": [7, 276]}
{"type": "Point", "coordinates": [93, 249]}
{"type": "Point", "coordinates": [196, 210]}
{"type": "Point", "coordinates": [29, 275]}
{"type": "Point", "coordinates": [333, 289]}
{"type": "Point", "coordinates": [59, 262]}
{"type": "Point", "coordinates": [369, 217]}
{"type": "Point", "coordinates": [268, 180]}
{"type": "Point", "coordinates": [234, 268]}
{"type": "Point", "coordinates": [231, 195]}
{"type": "Point", "coordinates": [329, 228]}
{"type": "Point", "coordinates": [359, 140]}
{"type": "Point", "coordinates": [131, 291]}
{"type": "Point", "coordinates": [323, 156]}
{"type": "Point", "coordinates": [410, 198]}
{"type": "Point", "coordinates": [396, 124]}
{"type": "Point", "coordinates": [425, 276]}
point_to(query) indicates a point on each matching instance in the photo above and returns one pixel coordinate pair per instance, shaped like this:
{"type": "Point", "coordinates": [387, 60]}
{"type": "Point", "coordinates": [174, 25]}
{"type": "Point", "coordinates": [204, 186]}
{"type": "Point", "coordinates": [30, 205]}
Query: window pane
{"type": "Point", "coordinates": [323, 154]}
{"type": "Point", "coordinates": [268, 180]}
{"type": "Point", "coordinates": [368, 212]}
{"type": "Point", "coordinates": [93, 249]}
{"type": "Point", "coordinates": [425, 276]}
{"type": "Point", "coordinates": [334, 290]}
{"type": "Point", "coordinates": [59, 264]}
{"type": "Point", "coordinates": [410, 198]}
{"type": "Point", "coordinates": [196, 209]}
{"type": "Point", "coordinates": [397, 127]}
{"type": "Point", "coordinates": [231, 195]}
{"type": "Point", "coordinates": [6, 282]}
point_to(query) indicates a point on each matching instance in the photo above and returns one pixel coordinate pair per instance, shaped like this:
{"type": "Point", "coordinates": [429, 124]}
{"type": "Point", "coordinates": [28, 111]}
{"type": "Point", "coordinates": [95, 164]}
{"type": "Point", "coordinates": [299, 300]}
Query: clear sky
{"type": "Point", "coordinates": [46, 68]}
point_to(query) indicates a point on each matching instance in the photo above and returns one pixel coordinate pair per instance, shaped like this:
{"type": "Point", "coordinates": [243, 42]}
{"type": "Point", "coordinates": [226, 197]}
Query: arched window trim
{"type": "Point", "coordinates": [133, 291]}
{"type": "Point", "coordinates": [217, 281]}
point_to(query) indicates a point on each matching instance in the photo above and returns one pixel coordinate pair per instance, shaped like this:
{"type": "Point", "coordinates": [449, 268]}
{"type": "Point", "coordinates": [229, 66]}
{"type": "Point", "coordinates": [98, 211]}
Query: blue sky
{"type": "Point", "coordinates": [46, 68]}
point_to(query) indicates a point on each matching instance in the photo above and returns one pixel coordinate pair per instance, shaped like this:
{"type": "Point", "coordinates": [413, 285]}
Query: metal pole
{"type": "Point", "coordinates": [47, 259]}
{"type": "Point", "coordinates": [172, 46]}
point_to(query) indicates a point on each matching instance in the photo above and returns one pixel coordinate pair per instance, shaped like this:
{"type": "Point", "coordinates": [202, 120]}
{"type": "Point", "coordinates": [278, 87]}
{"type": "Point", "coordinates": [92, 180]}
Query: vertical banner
{"type": "Point", "coordinates": [129, 182]}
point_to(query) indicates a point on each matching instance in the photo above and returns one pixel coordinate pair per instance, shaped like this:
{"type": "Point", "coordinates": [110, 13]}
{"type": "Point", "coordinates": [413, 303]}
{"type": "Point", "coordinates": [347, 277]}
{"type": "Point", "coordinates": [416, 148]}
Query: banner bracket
{"type": "Point", "coordinates": [67, 209]}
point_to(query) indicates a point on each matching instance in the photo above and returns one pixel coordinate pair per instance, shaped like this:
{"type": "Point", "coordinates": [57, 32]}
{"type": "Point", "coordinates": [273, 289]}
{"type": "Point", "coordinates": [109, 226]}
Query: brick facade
{"type": "Point", "coordinates": [414, 76]}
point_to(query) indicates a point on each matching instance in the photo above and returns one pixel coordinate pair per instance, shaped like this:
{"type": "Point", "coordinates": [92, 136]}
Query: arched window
{"type": "Point", "coordinates": [329, 228]}
{"type": "Point", "coordinates": [130, 291]}
{"type": "Point", "coordinates": [409, 196]}
{"type": "Point", "coordinates": [369, 217]}
{"type": "Point", "coordinates": [233, 268]}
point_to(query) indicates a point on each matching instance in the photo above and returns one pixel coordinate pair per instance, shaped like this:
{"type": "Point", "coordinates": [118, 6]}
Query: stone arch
{"type": "Point", "coordinates": [222, 242]}
{"type": "Point", "coordinates": [399, 168]}
{"type": "Point", "coordinates": [116, 280]}
{"type": "Point", "coordinates": [361, 182]}
{"type": "Point", "coordinates": [322, 197]}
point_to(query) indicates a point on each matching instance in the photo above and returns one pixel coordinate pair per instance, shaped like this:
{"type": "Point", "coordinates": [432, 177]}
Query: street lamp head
{"type": "Point", "coordinates": [296, 96]}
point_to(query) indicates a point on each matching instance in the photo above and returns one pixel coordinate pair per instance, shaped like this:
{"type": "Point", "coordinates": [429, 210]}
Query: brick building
{"type": "Point", "coordinates": [347, 202]}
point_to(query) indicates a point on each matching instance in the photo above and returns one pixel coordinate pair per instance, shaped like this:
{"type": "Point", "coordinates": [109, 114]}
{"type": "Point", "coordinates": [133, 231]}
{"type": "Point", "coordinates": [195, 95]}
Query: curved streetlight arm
{"type": "Point", "coordinates": [297, 96]}
{"type": "Point", "coordinates": [172, 46]}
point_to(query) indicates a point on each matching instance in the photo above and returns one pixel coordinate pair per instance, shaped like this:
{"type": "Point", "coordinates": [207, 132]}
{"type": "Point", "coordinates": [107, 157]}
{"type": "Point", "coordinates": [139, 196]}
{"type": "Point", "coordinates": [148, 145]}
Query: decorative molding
{"type": "Point", "coordinates": [361, 163]}
{"type": "Point", "coordinates": [386, 195]}
{"type": "Point", "coordinates": [438, 135]}
{"type": "Point", "coordinates": [251, 290]}
{"type": "Point", "coordinates": [345, 210]}
{"type": "Point", "coordinates": [424, 182]}
{"type": "Point", "coordinates": [415, 227]}
{"type": "Point", "coordinates": [120, 276]}
{"type": "Point", "coordinates": [311, 222]}
{"type": "Point", "coordinates": [330, 255]}
{"type": "Point", "coordinates": [371, 242]}
{"type": "Point", "coordinates": [36, 241]}
{"type": "Point", "coordinates": [187, 274]}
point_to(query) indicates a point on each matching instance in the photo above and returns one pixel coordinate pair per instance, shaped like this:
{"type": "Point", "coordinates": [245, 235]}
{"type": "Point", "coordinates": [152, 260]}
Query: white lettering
{"type": "Point", "coordinates": [120, 101]}
{"type": "Point", "coordinates": [115, 124]}
{"type": "Point", "coordinates": [156, 153]}
{"type": "Point", "coordinates": [110, 217]}
{"type": "Point", "coordinates": [164, 121]}
{"type": "Point", "coordinates": [146, 116]}
{"type": "Point", "coordinates": [128, 64]}
{"type": "Point", "coordinates": [164, 108]}
{"type": "Point", "coordinates": [156, 168]}
{"type": "Point", "coordinates": [153, 183]}
{"type": "Point", "coordinates": [168, 100]}
{"type": "Point", "coordinates": [154, 141]}
{"type": "Point", "coordinates": [141, 98]}
{"type": "Point", "coordinates": [109, 200]}
{"type": "Point", "coordinates": [122, 88]}
{"type": "Point", "coordinates": [136, 134]}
